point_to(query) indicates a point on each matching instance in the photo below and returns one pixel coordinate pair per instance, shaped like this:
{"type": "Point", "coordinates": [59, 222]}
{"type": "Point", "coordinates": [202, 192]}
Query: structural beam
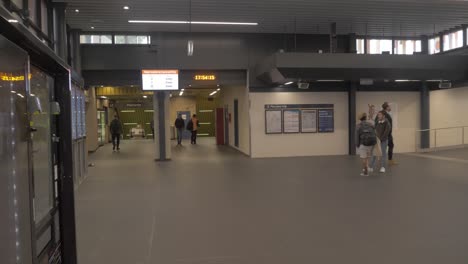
{"type": "Point", "coordinates": [352, 117]}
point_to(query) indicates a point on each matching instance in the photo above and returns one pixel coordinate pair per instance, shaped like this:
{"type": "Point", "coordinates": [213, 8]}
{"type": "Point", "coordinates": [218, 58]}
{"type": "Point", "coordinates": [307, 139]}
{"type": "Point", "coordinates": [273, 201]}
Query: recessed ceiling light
{"type": "Point", "coordinates": [77, 10]}
{"type": "Point", "coordinates": [126, 7]}
{"type": "Point", "coordinates": [12, 20]}
{"type": "Point", "coordinates": [92, 27]}
{"type": "Point", "coordinates": [288, 83]}
{"type": "Point", "coordinates": [193, 22]}
{"type": "Point", "coordinates": [144, 96]}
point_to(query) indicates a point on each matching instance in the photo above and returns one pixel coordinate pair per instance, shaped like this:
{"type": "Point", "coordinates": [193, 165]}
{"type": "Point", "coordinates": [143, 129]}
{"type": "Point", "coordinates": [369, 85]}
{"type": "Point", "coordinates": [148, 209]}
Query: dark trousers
{"type": "Point", "coordinates": [180, 134]}
{"type": "Point", "coordinates": [194, 137]}
{"type": "Point", "coordinates": [116, 140]}
{"type": "Point", "coordinates": [390, 147]}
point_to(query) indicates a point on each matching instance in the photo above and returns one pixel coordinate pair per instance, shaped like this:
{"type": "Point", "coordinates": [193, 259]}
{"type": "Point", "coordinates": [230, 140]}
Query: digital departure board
{"type": "Point", "coordinates": [160, 80]}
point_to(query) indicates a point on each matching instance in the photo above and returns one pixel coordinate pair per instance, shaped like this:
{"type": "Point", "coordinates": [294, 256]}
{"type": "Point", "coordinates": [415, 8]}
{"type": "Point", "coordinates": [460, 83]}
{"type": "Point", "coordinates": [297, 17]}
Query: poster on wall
{"type": "Point", "coordinates": [291, 121]}
{"type": "Point", "coordinates": [326, 120]}
{"type": "Point", "coordinates": [373, 109]}
{"type": "Point", "coordinates": [309, 121]}
{"type": "Point", "coordinates": [273, 122]}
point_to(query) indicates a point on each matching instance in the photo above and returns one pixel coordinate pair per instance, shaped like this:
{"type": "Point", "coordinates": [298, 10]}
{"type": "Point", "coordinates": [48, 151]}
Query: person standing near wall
{"type": "Point", "coordinates": [116, 131]}
{"type": "Point", "coordinates": [179, 124]}
{"type": "Point", "coordinates": [193, 126]}
{"type": "Point", "coordinates": [386, 109]}
{"type": "Point", "coordinates": [366, 139]}
{"type": "Point", "coordinates": [382, 128]}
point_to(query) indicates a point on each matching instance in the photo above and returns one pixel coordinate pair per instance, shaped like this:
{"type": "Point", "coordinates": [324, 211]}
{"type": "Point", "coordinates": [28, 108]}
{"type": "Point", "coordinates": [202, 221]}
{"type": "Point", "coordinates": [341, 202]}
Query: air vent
{"type": "Point", "coordinates": [445, 85]}
{"type": "Point", "coordinates": [303, 86]}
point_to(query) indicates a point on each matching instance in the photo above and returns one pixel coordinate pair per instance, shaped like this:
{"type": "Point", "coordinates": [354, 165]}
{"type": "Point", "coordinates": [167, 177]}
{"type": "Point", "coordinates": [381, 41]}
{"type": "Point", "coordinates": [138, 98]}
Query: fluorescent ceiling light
{"type": "Point", "coordinates": [144, 96]}
{"type": "Point", "coordinates": [193, 22]}
{"type": "Point", "coordinates": [330, 80]}
{"type": "Point", "coordinates": [288, 83]}
{"type": "Point", "coordinates": [181, 93]}
{"type": "Point", "coordinates": [213, 93]}
{"type": "Point", "coordinates": [126, 7]}
{"type": "Point", "coordinates": [12, 20]}
{"type": "Point", "coordinates": [406, 80]}
{"type": "Point", "coordinates": [92, 27]}
{"type": "Point", "coordinates": [77, 10]}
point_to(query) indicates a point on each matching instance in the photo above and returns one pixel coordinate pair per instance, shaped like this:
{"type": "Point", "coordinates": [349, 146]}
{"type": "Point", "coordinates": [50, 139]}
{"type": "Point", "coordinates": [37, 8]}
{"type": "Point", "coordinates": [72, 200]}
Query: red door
{"type": "Point", "coordinates": [219, 126]}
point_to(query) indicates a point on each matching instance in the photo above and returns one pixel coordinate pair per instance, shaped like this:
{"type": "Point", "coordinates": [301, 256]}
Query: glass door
{"type": "Point", "coordinates": [102, 127]}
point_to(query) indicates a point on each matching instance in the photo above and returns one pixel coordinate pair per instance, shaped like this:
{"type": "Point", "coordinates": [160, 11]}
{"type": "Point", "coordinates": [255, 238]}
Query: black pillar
{"type": "Point", "coordinates": [425, 115]}
{"type": "Point", "coordinates": [424, 44]}
{"type": "Point", "coordinates": [352, 43]}
{"type": "Point", "coordinates": [352, 117]}
{"type": "Point", "coordinates": [67, 191]}
{"type": "Point", "coordinates": [61, 34]}
{"type": "Point", "coordinates": [75, 50]}
{"type": "Point", "coordinates": [464, 27]}
{"type": "Point", "coordinates": [161, 96]}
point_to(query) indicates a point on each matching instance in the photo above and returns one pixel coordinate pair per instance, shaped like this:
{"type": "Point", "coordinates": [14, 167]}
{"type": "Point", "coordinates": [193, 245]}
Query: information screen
{"type": "Point", "coordinates": [160, 80]}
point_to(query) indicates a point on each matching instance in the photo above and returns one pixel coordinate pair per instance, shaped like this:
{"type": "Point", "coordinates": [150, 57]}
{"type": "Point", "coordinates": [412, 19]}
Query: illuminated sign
{"type": "Point", "coordinates": [204, 77]}
{"type": "Point", "coordinates": [160, 80]}
{"type": "Point", "coordinates": [12, 78]}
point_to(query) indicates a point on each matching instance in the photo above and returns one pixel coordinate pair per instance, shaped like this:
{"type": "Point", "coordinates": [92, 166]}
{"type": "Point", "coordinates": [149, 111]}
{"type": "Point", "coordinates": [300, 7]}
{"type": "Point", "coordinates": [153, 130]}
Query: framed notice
{"type": "Point", "coordinates": [326, 120]}
{"type": "Point", "coordinates": [273, 122]}
{"type": "Point", "coordinates": [309, 121]}
{"type": "Point", "coordinates": [291, 121]}
{"type": "Point", "coordinates": [160, 80]}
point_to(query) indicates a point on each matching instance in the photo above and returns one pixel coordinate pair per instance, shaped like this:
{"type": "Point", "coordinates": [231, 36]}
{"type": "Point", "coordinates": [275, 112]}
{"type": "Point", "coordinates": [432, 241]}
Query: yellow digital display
{"type": "Point", "coordinates": [11, 78]}
{"type": "Point", "coordinates": [204, 77]}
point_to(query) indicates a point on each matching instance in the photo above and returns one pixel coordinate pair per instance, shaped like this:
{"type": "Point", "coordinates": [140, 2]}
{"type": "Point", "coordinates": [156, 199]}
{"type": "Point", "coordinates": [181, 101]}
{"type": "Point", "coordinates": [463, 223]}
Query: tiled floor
{"type": "Point", "coordinates": [212, 205]}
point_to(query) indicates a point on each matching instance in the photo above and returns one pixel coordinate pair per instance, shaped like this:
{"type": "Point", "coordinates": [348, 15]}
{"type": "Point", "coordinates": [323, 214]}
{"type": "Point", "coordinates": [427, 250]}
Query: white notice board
{"type": "Point", "coordinates": [291, 120]}
{"type": "Point", "coordinates": [160, 80]}
{"type": "Point", "coordinates": [309, 121]}
{"type": "Point", "coordinates": [273, 122]}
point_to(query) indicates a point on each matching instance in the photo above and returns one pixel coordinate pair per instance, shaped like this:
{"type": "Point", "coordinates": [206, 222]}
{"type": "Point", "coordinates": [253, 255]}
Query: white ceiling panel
{"type": "Point", "coordinates": [374, 17]}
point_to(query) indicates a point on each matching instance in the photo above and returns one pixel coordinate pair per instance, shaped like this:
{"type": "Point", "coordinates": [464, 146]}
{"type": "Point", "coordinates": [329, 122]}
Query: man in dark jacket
{"type": "Point", "coordinates": [386, 109]}
{"type": "Point", "coordinates": [383, 129]}
{"type": "Point", "coordinates": [179, 124]}
{"type": "Point", "coordinates": [116, 131]}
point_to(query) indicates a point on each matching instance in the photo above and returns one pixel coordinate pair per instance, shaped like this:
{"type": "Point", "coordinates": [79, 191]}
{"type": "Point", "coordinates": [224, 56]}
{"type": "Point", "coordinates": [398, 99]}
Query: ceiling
{"type": "Point", "coordinates": [374, 17]}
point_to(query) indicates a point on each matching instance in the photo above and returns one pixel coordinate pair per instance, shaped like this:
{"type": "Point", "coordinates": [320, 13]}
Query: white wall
{"type": "Point", "coordinates": [228, 95]}
{"type": "Point", "coordinates": [448, 109]}
{"type": "Point", "coordinates": [291, 145]}
{"type": "Point", "coordinates": [406, 115]}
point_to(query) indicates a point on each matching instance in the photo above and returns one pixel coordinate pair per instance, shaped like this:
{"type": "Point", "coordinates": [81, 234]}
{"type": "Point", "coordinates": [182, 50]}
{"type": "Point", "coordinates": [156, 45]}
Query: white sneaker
{"type": "Point", "coordinates": [382, 170]}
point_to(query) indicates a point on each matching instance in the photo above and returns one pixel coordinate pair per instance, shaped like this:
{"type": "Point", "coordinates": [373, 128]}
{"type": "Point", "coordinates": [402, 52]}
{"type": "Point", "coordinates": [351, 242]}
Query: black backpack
{"type": "Point", "coordinates": [367, 135]}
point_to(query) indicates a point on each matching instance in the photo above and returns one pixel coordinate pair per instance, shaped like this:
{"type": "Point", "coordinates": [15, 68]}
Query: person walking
{"type": "Point", "coordinates": [387, 109]}
{"type": "Point", "coordinates": [382, 129]}
{"type": "Point", "coordinates": [179, 124]}
{"type": "Point", "coordinates": [366, 139]}
{"type": "Point", "coordinates": [116, 131]}
{"type": "Point", "coordinates": [193, 126]}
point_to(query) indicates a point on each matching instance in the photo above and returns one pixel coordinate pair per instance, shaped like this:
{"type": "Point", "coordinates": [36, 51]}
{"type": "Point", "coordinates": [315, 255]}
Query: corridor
{"type": "Point", "coordinates": [212, 205]}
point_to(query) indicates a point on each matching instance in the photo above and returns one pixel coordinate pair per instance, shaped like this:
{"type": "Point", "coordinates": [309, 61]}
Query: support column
{"type": "Point", "coordinates": [76, 50]}
{"type": "Point", "coordinates": [61, 26]}
{"type": "Point", "coordinates": [352, 117]}
{"type": "Point", "coordinates": [425, 45]}
{"type": "Point", "coordinates": [425, 115]}
{"type": "Point", "coordinates": [162, 128]}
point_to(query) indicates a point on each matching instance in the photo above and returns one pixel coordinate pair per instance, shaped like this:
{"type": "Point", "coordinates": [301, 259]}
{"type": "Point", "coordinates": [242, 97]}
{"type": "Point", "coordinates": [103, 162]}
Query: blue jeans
{"type": "Point", "coordinates": [383, 159]}
{"type": "Point", "coordinates": [180, 132]}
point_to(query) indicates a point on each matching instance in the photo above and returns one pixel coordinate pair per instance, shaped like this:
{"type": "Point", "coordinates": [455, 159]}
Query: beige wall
{"type": "Point", "coordinates": [406, 115]}
{"type": "Point", "coordinates": [91, 121]}
{"type": "Point", "coordinates": [448, 109]}
{"type": "Point", "coordinates": [228, 95]}
{"type": "Point", "coordinates": [184, 103]}
{"type": "Point", "coordinates": [291, 145]}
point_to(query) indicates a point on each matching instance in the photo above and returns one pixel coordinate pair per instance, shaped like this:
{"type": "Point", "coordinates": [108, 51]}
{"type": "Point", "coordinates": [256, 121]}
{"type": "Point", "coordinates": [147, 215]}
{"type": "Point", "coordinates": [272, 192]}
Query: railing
{"type": "Point", "coordinates": [441, 138]}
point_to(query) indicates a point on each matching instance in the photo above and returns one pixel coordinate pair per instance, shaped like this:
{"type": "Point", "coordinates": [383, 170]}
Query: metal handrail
{"type": "Point", "coordinates": [442, 128]}
{"type": "Point", "coordinates": [435, 146]}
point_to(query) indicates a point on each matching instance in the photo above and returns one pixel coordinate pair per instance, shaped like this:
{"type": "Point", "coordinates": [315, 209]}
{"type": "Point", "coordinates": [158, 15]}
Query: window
{"type": "Point", "coordinates": [360, 46]}
{"type": "Point", "coordinates": [96, 39]}
{"type": "Point", "coordinates": [453, 40]}
{"type": "Point", "coordinates": [407, 47]}
{"type": "Point", "coordinates": [44, 22]}
{"type": "Point", "coordinates": [434, 45]}
{"type": "Point", "coordinates": [132, 39]}
{"type": "Point", "coordinates": [378, 46]}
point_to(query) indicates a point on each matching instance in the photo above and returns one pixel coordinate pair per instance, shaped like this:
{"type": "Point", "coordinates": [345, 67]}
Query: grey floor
{"type": "Point", "coordinates": [213, 205]}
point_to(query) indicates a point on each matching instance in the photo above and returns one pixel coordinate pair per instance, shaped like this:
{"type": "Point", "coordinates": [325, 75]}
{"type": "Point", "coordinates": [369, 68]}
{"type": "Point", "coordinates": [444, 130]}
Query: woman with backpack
{"type": "Point", "coordinates": [383, 129]}
{"type": "Point", "coordinates": [366, 139]}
